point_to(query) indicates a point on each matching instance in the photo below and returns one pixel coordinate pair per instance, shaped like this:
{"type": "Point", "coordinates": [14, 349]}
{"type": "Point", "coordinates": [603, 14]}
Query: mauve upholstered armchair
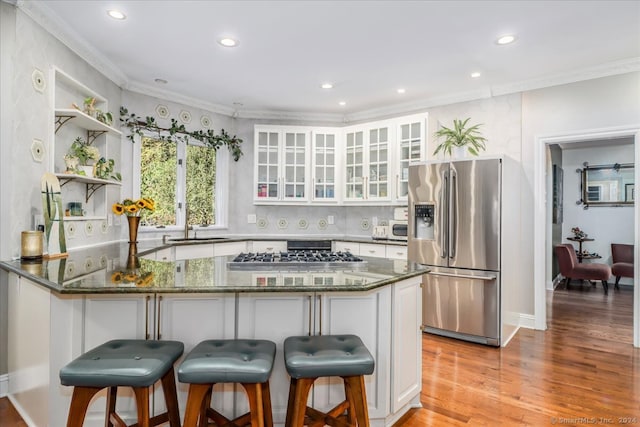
{"type": "Point", "coordinates": [622, 257]}
{"type": "Point", "coordinates": [571, 269]}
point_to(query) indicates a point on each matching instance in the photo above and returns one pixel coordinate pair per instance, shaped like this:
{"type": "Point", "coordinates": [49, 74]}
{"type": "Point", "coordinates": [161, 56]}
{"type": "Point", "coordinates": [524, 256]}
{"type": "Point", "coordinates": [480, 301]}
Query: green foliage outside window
{"type": "Point", "coordinates": [158, 180]}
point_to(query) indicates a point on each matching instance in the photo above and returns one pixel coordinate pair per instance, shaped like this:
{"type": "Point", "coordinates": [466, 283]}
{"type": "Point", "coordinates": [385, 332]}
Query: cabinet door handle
{"type": "Point", "coordinates": [310, 317]}
{"type": "Point", "coordinates": [320, 314]}
{"type": "Point", "coordinates": [146, 317]}
{"type": "Point", "coordinates": [158, 334]}
{"type": "Point", "coordinates": [398, 195]}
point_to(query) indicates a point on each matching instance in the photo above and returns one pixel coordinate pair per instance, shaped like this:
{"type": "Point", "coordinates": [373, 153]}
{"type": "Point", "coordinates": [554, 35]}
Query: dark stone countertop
{"type": "Point", "coordinates": [112, 269]}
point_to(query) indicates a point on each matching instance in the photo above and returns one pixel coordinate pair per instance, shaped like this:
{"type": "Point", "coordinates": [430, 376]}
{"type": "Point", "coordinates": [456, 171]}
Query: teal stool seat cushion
{"type": "Point", "coordinates": [228, 361]}
{"type": "Point", "coordinates": [327, 355]}
{"type": "Point", "coordinates": [132, 363]}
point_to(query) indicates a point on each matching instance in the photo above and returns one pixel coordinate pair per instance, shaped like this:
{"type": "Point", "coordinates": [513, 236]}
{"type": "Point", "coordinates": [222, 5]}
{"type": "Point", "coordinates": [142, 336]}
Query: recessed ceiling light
{"type": "Point", "coordinates": [475, 75]}
{"type": "Point", "coordinates": [161, 81]}
{"type": "Point", "coordinates": [506, 39]}
{"type": "Point", "coordinates": [326, 85]}
{"type": "Point", "coordinates": [401, 90]}
{"type": "Point", "coordinates": [228, 42]}
{"type": "Point", "coordinates": [342, 103]}
{"type": "Point", "coordinates": [116, 14]}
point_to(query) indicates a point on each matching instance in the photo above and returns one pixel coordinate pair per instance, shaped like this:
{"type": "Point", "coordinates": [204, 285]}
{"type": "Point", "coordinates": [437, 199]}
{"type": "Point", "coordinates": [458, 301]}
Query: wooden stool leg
{"type": "Point", "coordinates": [266, 405]}
{"type": "Point", "coordinates": [298, 405]}
{"type": "Point", "coordinates": [171, 397]}
{"type": "Point", "coordinates": [197, 393]}
{"type": "Point", "coordinates": [142, 402]}
{"type": "Point", "coordinates": [254, 395]}
{"type": "Point", "coordinates": [358, 391]}
{"type": "Point", "coordinates": [204, 409]}
{"type": "Point", "coordinates": [348, 395]}
{"type": "Point", "coordinates": [112, 394]}
{"type": "Point", "coordinates": [79, 403]}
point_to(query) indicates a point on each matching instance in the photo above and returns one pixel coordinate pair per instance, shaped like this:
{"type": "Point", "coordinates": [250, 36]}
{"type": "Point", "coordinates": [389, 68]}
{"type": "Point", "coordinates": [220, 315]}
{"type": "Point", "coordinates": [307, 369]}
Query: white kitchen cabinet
{"type": "Point", "coordinates": [68, 124]}
{"type": "Point", "coordinates": [229, 248]}
{"type": "Point", "coordinates": [410, 145]}
{"type": "Point", "coordinates": [352, 247]}
{"type": "Point", "coordinates": [204, 250]}
{"type": "Point", "coordinates": [268, 246]}
{"type": "Point", "coordinates": [396, 252]}
{"type": "Point", "coordinates": [192, 318]}
{"type": "Point", "coordinates": [373, 250]}
{"type": "Point", "coordinates": [282, 163]}
{"type": "Point", "coordinates": [367, 162]}
{"type": "Point", "coordinates": [324, 165]}
{"type": "Point", "coordinates": [274, 317]}
{"type": "Point", "coordinates": [406, 357]}
{"type": "Point", "coordinates": [356, 313]}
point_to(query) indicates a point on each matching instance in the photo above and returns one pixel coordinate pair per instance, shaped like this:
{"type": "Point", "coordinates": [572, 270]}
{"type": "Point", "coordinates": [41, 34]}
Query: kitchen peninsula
{"type": "Point", "coordinates": [190, 292]}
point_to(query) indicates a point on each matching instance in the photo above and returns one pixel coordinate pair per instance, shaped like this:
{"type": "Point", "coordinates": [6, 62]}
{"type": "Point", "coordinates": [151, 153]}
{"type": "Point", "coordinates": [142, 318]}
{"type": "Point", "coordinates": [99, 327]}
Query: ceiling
{"type": "Point", "coordinates": [367, 49]}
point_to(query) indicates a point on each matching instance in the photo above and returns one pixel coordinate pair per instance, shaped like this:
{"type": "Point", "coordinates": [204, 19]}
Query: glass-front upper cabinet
{"type": "Point", "coordinates": [378, 179]}
{"type": "Point", "coordinates": [367, 162]}
{"type": "Point", "coordinates": [281, 163]}
{"type": "Point", "coordinates": [267, 163]}
{"type": "Point", "coordinates": [354, 165]}
{"type": "Point", "coordinates": [324, 165]}
{"type": "Point", "coordinates": [411, 147]}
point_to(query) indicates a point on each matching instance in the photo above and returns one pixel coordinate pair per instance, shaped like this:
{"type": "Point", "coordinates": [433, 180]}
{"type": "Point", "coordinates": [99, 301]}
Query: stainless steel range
{"type": "Point", "coordinates": [300, 254]}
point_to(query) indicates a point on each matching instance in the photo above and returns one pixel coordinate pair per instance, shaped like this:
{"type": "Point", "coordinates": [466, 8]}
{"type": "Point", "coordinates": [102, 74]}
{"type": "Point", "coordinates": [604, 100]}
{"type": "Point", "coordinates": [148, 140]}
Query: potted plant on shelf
{"type": "Point", "coordinates": [89, 108]}
{"type": "Point", "coordinates": [460, 136]}
{"type": "Point", "coordinates": [104, 170]}
{"type": "Point", "coordinates": [86, 155]}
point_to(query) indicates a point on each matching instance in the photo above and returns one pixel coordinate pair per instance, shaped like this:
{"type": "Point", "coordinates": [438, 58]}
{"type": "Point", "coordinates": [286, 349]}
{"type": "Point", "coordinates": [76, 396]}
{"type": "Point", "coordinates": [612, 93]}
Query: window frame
{"type": "Point", "coordinates": [221, 187]}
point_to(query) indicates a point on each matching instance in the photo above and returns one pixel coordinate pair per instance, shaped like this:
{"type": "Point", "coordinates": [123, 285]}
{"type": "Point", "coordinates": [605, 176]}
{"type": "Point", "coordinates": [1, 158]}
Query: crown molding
{"type": "Point", "coordinates": [42, 15]}
{"type": "Point", "coordinates": [624, 66]}
{"type": "Point", "coordinates": [145, 89]}
{"type": "Point", "coordinates": [290, 115]}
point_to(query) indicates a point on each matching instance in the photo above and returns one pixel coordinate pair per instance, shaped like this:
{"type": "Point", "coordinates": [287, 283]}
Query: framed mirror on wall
{"type": "Point", "coordinates": [607, 185]}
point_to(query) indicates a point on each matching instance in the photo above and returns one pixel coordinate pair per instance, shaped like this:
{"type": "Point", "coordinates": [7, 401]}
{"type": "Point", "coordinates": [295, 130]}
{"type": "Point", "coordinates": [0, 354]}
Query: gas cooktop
{"type": "Point", "coordinates": [299, 255]}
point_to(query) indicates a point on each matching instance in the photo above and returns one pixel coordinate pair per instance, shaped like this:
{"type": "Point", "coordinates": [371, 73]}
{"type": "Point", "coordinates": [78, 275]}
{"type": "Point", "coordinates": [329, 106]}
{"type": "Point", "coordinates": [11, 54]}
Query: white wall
{"type": "Point", "coordinates": [604, 224]}
{"type": "Point", "coordinates": [606, 102]}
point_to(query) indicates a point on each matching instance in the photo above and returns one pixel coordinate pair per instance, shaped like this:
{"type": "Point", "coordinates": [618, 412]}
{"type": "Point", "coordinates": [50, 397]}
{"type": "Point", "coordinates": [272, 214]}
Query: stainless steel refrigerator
{"type": "Point", "coordinates": [454, 227]}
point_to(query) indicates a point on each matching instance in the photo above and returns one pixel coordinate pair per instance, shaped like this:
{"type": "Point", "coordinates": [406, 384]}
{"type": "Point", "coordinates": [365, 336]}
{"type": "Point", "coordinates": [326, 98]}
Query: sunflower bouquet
{"type": "Point", "coordinates": [131, 207]}
{"type": "Point", "coordinates": [132, 277]}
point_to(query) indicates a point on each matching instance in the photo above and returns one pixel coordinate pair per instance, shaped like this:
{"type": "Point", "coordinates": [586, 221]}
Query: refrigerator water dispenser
{"type": "Point", "coordinates": [423, 221]}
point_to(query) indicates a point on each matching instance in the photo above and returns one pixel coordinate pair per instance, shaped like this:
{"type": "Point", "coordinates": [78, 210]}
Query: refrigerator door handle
{"type": "Point", "coordinates": [453, 214]}
{"type": "Point", "coordinates": [465, 276]}
{"type": "Point", "coordinates": [443, 215]}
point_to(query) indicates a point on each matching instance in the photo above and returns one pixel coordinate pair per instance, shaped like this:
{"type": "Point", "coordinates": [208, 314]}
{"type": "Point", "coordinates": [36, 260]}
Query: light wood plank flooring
{"type": "Point", "coordinates": [583, 370]}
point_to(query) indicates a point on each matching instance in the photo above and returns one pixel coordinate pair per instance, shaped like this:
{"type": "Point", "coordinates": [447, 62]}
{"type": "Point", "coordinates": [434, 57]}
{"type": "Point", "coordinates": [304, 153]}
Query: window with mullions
{"type": "Point", "coordinates": [172, 174]}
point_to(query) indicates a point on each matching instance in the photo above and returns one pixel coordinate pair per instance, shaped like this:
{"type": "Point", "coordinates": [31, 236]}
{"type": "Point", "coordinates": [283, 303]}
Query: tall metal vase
{"type": "Point", "coordinates": [134, 222]}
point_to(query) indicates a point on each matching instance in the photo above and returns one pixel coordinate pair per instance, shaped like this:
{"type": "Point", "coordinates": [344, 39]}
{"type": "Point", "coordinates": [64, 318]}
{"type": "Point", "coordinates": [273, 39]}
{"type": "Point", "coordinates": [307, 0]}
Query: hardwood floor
{"type": "Point", "coordinates": [583, 366]}
{"type": "Point", "coordinates": [582, 370]}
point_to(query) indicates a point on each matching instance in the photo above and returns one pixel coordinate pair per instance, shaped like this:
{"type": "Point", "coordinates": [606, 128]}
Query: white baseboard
{"type": "Point", "coordinates": [527, 321]}
{"type": "Point", "coordinates": [4, 385]}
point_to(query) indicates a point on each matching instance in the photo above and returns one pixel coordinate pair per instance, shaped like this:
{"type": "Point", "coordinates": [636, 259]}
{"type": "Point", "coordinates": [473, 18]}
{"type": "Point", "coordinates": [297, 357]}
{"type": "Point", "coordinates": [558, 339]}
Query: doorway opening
{"type": "Point", "coordinates": [543, 217]}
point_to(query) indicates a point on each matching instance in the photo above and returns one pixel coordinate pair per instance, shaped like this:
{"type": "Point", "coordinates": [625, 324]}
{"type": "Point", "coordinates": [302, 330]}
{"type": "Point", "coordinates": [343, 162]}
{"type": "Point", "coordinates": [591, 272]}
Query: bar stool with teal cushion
{"type": "Point", "coordinates": [308, 358]}
{"type": "Point", "coordinates": [138, 364]}
{"type": "Point", "coordinates": [244, 361]}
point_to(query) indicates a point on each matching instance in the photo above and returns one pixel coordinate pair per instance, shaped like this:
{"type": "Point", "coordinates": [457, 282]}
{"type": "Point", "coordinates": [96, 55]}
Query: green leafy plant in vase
{"type": "Point", "coordinates": [460, 136]}
{"type": "Point", "coordinates": [104, 169]}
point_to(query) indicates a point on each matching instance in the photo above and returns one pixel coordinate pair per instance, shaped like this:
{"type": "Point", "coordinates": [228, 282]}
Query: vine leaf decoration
{"type": "Point", "coordinates": [177, 132]}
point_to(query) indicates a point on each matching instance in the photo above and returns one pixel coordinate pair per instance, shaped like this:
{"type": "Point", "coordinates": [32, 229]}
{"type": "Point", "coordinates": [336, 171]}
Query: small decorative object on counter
{"type": "Point", "coordinates": [578, 234]}
{"type": "Point", "coordinates": [133, 210]}
{"type": "Point", "coordinates": [53, 216]}
{"type": "Point", "coordinates": [31, 245]}
{"type": "Point", "coordinates": [133, 274]}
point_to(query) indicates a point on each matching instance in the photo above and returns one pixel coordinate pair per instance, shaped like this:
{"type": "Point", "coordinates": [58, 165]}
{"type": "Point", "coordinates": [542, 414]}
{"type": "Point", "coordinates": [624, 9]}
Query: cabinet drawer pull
{"type": "Point", "coordinates": [146, 317]}
{"type": "Point", "coordinates": [158, 334]}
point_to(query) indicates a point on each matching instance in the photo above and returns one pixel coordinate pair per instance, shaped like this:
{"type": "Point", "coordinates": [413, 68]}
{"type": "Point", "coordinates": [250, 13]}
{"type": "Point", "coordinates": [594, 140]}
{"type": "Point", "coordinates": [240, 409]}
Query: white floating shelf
{"type": "Point", "coordinates": [86, 179]}
{"type": "Point", "coordinates": [85, 121]}
{"type": "Point", "coordinates": [84, 218]}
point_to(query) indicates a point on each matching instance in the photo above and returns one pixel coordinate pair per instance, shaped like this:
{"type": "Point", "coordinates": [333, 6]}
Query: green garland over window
{"type": "Point", "coordinates": [177, 132]}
